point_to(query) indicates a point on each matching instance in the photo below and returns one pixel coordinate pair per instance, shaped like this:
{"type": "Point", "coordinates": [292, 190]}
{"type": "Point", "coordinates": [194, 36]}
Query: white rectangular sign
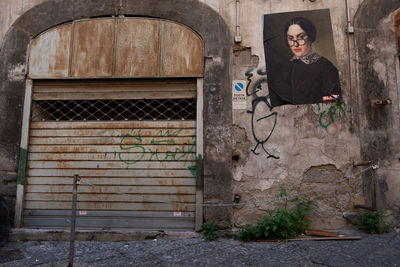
{"type": "Point", "coordinates": [239, 97]}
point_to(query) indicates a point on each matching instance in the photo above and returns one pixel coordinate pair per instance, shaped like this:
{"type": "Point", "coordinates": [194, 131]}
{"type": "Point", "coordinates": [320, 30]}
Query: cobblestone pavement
{"type": "Point", "coordinates": [371, 250]}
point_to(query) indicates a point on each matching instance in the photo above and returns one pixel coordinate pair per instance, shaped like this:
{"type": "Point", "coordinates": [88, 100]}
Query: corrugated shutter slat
{"type": "Point", "coordinates": [143, 172]}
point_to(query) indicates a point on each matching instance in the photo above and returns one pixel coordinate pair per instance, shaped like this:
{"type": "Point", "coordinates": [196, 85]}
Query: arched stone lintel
{"type": "Point", "coordinates": [192, 13]}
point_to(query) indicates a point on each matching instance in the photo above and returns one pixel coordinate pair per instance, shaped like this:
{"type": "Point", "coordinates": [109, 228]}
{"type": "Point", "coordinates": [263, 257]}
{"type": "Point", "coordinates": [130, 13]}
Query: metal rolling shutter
{"type": "Point", "coordinates": [133, 144]}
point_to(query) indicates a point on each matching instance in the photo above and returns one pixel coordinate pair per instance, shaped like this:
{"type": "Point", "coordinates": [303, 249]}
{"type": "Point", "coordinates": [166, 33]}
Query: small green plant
{"type": "Point", "coordinates": [283, 223]}
{"type": "Point", "coordinates": [210, 231]}
{"type": "Point", "coordinates": [371, 222]}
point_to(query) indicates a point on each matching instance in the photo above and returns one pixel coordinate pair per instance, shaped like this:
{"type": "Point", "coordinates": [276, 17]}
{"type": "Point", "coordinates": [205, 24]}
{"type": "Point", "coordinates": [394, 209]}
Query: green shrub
{"type": "Point", "coordinates": [371, 222]}
{"type": "Point", "coordinates": [283, 223]}
{"type": "Point", "coordinates": [210, 231]}
{"type": "Point", "coordinates": [248, 233]}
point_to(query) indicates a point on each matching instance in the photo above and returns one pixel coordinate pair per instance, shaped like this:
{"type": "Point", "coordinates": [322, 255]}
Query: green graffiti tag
{"type": "Point", "coordinates": [327, 116]}
{"type": "Point", "coordinates": [183, 152]}
{"type": "Point", "coordinates": [189, 156]}
{"type": "Point", "coordinates": [136, 148]}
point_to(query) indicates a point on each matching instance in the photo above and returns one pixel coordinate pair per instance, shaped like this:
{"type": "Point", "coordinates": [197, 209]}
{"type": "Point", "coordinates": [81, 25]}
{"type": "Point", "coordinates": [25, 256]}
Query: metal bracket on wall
{"type": "Point", "coordinates": [382, 102]}
{"type": "Point", "coordinates": [349, 29]}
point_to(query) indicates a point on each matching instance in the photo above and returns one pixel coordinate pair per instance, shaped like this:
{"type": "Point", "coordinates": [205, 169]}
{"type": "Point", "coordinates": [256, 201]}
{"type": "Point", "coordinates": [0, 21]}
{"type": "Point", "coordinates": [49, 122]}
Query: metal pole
{"type": "Point", "coordinates": [373, 187]}
{"type": "Point", "coordinates": [73, 218]}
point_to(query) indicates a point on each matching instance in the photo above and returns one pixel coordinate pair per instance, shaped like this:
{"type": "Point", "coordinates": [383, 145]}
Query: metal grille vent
{"type": "Point", "coordinates": [114, 110]}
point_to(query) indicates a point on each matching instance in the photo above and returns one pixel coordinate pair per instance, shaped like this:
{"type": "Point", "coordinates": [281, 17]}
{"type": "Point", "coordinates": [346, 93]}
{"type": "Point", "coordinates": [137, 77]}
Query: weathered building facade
{"type": "Point", "coordinates": [203, 156]}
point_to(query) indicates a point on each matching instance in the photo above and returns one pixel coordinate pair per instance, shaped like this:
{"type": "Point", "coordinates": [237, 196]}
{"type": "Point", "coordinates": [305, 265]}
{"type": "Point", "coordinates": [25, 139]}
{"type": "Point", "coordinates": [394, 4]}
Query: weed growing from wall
{"type": "Point", "coordinates": [371, 222]}
{"type": "Point", "coordinates": [210, 231]}
{"type": "Point", "coordinates": [284, 223]}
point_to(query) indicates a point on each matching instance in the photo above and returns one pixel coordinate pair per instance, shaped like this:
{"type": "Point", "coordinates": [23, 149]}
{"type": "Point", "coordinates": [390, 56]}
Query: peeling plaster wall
{"type": "Point", "coordinates": [305, 138]}
{"type": "Point", "coordinates": [316, 144]}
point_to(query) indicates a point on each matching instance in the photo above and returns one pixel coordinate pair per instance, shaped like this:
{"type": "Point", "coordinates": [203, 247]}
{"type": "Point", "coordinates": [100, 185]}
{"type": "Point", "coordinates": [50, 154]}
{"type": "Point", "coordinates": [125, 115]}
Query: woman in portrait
{"type": "Point", "coordinates": [313, 78]}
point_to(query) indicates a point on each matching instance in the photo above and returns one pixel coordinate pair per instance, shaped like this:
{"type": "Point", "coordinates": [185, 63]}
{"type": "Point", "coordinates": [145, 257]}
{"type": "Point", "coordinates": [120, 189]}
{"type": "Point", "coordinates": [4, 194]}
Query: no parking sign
{"type": "Point", "coordinates": [239, 94]}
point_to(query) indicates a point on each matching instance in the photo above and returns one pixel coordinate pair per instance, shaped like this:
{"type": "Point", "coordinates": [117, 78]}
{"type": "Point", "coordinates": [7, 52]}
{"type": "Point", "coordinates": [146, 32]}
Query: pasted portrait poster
{"type": "Point", "coordinates": [300, 57]}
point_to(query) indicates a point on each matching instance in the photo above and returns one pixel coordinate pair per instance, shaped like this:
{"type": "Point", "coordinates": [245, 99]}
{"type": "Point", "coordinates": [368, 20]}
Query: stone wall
{"type": "Point", "coordinates": [379, 79]}
{"type": "Point", "coordinates": [313, 146]}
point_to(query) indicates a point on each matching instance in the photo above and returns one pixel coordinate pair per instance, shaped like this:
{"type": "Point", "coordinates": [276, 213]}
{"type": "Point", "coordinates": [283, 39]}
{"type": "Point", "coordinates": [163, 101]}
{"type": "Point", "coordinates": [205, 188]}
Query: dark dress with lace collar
{"type": "Point", "coordinates": [311, 79]}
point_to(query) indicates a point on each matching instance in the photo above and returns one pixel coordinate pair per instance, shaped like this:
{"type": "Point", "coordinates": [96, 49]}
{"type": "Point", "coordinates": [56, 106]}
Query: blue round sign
{"type": "Point", "coordinates": [239, 86]}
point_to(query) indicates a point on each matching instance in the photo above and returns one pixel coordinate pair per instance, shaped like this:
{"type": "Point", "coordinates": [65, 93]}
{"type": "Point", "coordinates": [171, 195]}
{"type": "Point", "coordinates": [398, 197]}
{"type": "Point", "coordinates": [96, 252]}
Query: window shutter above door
{"type": "Point", "coordinates": [117, 48]}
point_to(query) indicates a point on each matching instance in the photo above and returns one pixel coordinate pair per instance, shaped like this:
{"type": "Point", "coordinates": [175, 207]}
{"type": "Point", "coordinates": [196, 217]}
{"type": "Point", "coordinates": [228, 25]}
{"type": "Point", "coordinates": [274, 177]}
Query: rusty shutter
{"type": "Point", "coordinates": [136, 172]}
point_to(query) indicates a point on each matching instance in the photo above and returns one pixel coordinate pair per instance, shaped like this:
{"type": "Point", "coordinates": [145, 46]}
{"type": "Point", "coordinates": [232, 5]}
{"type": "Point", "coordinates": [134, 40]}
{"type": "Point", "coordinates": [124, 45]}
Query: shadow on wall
{"type": "Point", "coordinates": [4, 221]}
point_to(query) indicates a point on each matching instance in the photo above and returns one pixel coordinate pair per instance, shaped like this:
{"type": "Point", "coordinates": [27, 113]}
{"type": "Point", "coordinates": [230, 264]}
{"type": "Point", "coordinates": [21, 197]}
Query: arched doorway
{"type": "Point", "coordinates": [217, 78]}
{"type": "Point", "coordinates": [132, 141]}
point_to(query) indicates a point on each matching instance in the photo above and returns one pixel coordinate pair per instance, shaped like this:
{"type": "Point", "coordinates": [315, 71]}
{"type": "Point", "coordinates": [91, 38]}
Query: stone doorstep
{"type": "Point", "coordinates": [26, 234]}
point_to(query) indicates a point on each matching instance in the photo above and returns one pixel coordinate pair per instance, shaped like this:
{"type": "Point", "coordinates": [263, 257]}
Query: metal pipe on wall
{"type": "Point", "coordinates": [349, 30]}
{"type": "Point", "coordinates": [238, 38]}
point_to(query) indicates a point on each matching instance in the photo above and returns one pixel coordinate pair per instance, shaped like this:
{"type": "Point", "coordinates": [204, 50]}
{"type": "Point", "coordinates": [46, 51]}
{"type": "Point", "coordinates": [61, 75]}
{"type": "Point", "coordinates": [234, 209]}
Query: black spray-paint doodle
{"type": "Point", "coordinates": [263, 119]}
